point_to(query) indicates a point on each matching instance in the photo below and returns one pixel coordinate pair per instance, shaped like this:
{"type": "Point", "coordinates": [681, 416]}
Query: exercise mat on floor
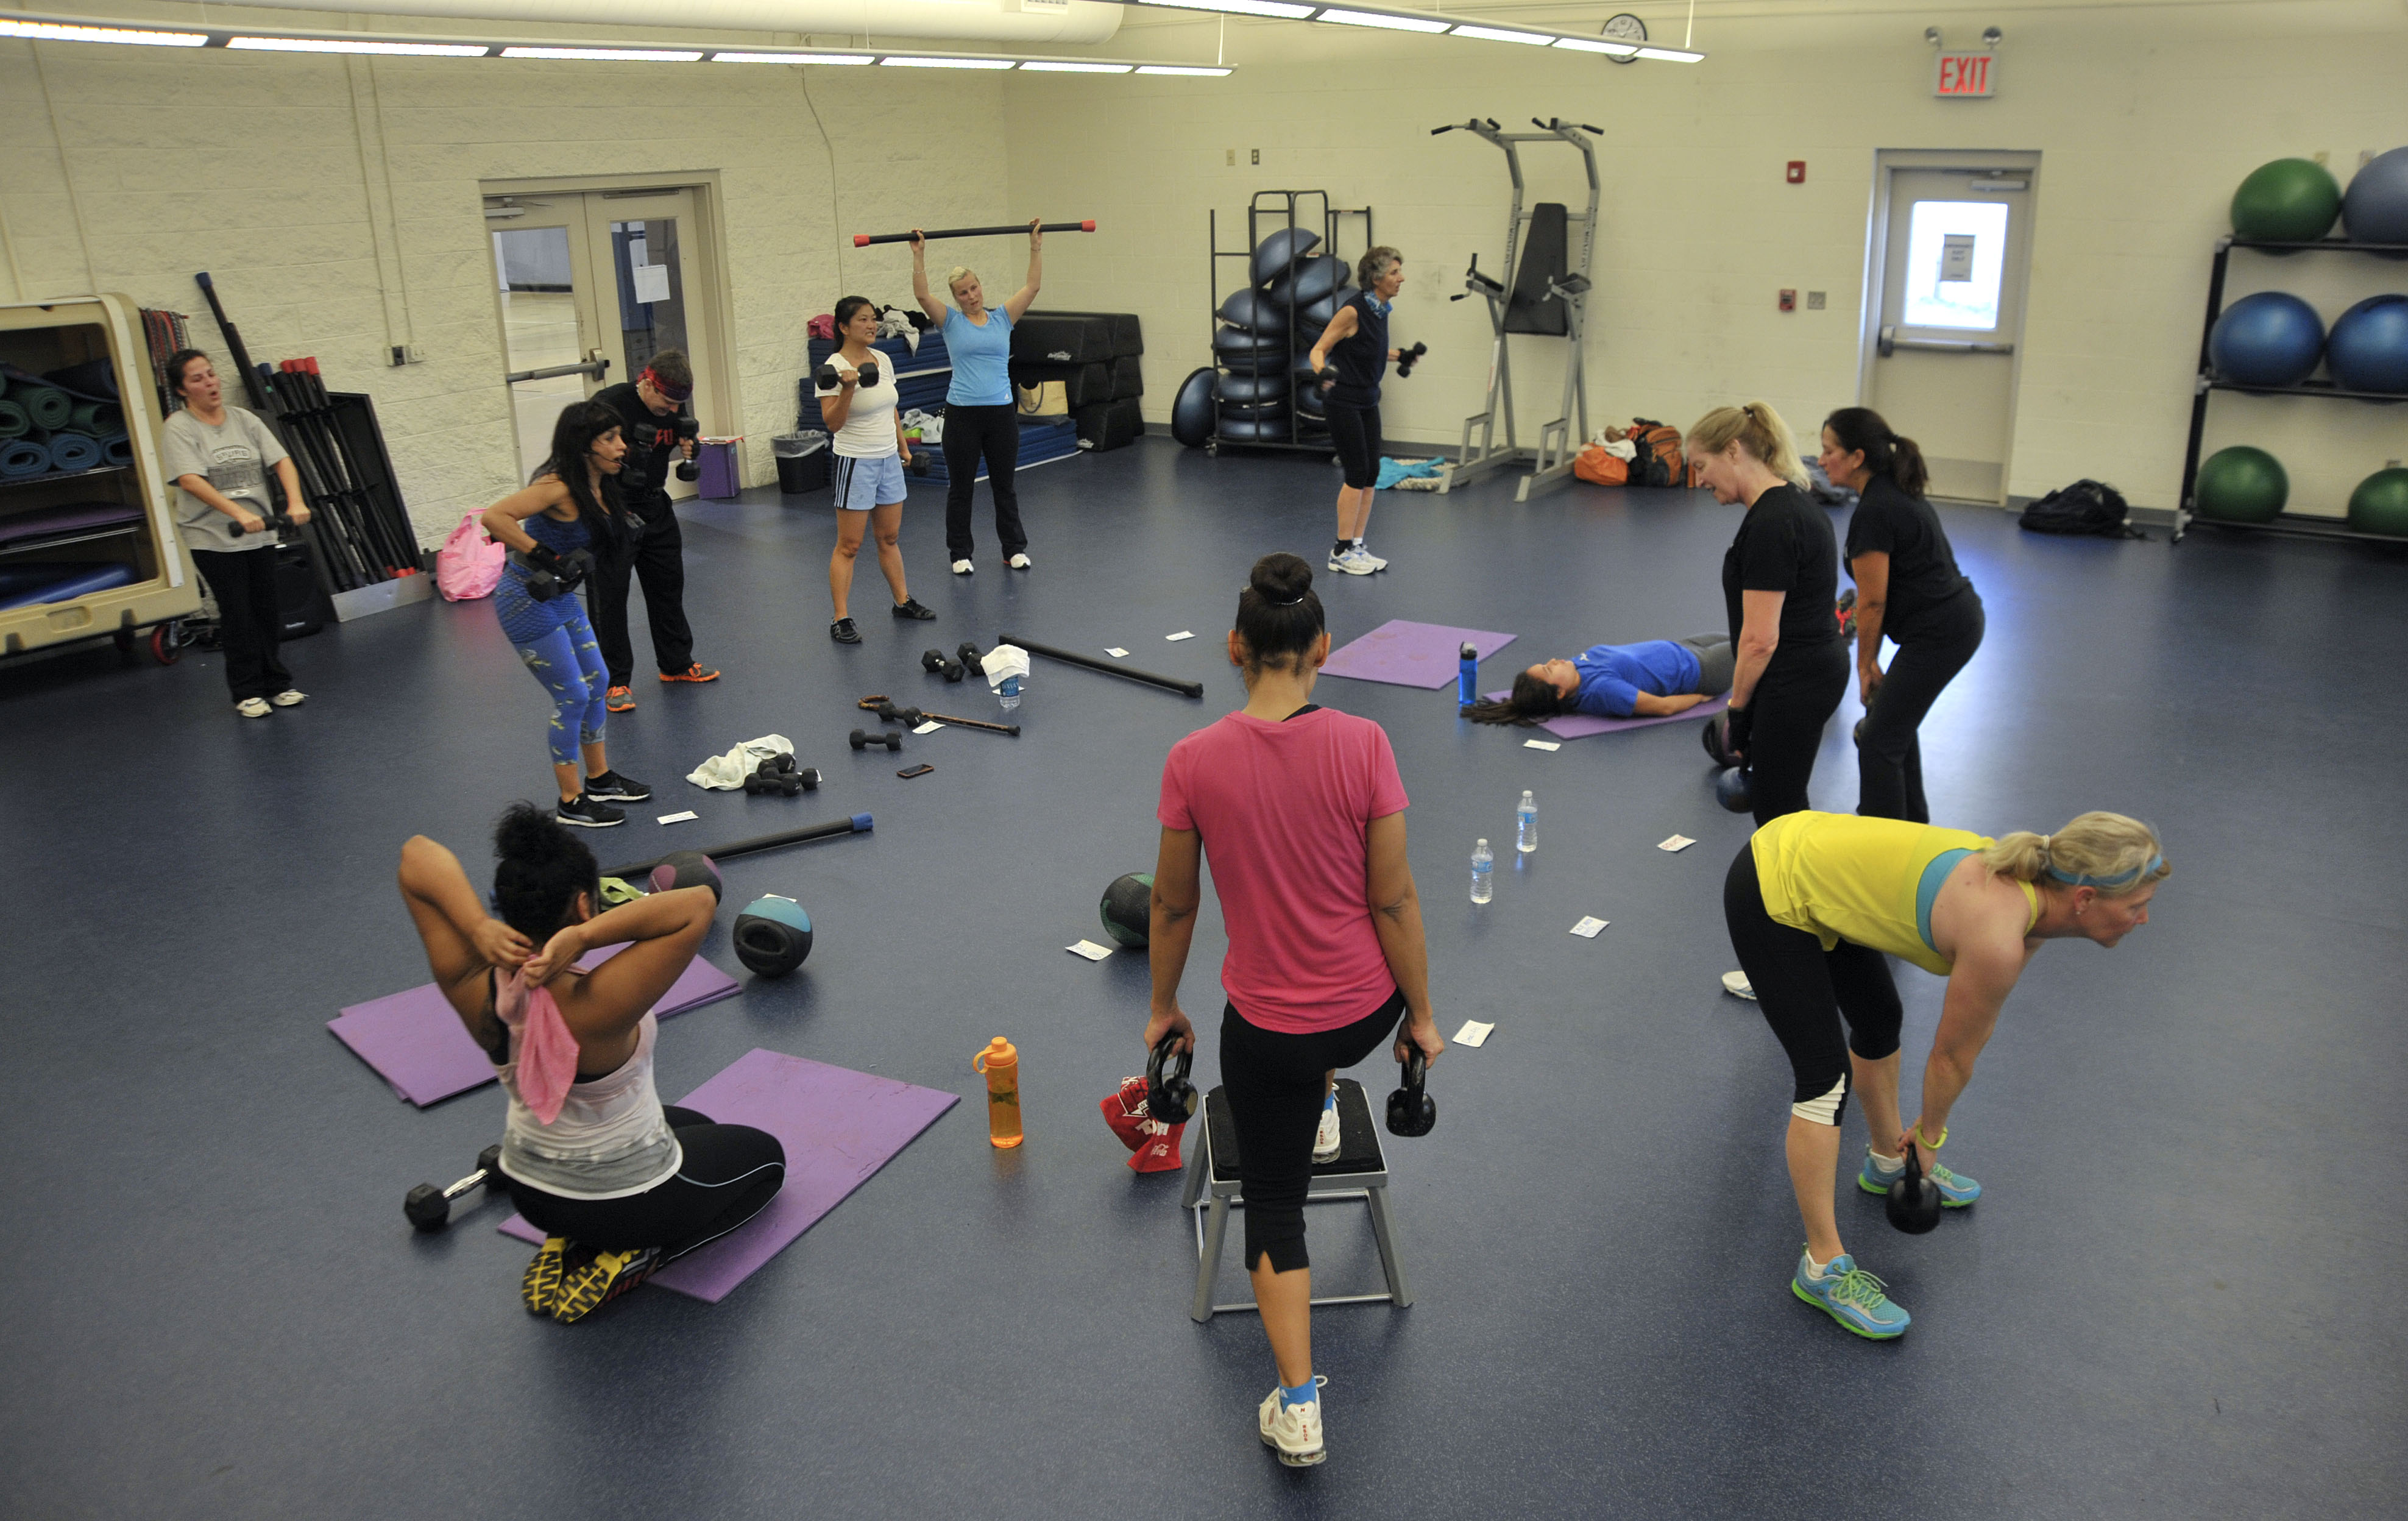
{"type": "Point", "coordinates": [1405, 654]}
{"type": "Point", "coordinates": [1581, 726]}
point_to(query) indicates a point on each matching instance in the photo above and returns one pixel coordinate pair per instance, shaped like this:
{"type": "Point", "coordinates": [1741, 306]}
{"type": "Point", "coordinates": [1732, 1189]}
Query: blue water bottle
{"type": "Point", "coordinates": [1466, 679]}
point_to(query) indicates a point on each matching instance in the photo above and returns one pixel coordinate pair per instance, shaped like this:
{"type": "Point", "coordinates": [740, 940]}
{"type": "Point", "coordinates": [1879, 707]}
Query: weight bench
{"type": "Point", "coordinates": [1360, 1171]}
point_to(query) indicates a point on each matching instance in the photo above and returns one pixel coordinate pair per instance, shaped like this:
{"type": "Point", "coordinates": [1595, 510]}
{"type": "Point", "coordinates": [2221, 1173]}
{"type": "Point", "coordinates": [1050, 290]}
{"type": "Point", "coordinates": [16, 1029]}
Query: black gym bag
{"type": "Point", "coordinates": [2085, 506]}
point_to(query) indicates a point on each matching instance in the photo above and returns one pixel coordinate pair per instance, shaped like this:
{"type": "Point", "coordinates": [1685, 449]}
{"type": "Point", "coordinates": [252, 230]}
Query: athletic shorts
{"type": "Point", "coordinates": [865, 483]}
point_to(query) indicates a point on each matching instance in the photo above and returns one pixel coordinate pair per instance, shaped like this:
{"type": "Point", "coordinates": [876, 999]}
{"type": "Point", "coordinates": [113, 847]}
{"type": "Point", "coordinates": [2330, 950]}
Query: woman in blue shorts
{"type": "Point", "coordinates": [867, 474]}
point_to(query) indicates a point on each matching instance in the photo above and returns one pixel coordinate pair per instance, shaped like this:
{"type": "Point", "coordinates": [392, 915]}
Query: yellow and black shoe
{"type": "Point", "coordinates": [594, 1282]}
{"type": "Point", "coordinates": [540, 1287]}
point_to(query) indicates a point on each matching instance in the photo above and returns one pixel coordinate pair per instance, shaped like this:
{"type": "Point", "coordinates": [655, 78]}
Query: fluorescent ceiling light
{"type": "Point", "coordinates": [1372, 18]}
{"type": "Point", "coordinates": [49, 31]}
{"type": "Point", "coordinates": [1040, 66]}
{"type": "Point", "coordinates": [615, 56]}
{"type": "Point", "coordinates": [1182, 69]}
{"type": "Point", "coordinates": [1490, 33]}
{"type": "Point", "coordinates": [1279, 9]}
{"type": "Point", "coordinates": [792, 58]}
{"type": "Point", "coordinates": [946, 62]}
{"type": "Point", "coordinates": [412, 49]}
{"type": "Point", "coordinates": [1672, 55]}
{"type": "Point", "coordinates": [1611, 49]}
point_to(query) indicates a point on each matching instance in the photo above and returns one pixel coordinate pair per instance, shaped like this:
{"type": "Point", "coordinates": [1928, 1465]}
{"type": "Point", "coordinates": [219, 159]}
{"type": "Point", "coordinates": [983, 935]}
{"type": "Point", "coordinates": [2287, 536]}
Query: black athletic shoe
{"type": "Point", "coordinates": [843, 632]}
{"type": "Point", "coordinates": [583, 812]}
{"type": "Point", "coordinates": [611, 785]}
{"type": "Point", "coordinates": [910, 608]}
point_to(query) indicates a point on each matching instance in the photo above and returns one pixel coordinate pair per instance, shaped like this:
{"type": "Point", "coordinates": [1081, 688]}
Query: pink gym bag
{"type": "Point", "coordinates": [469, 564]}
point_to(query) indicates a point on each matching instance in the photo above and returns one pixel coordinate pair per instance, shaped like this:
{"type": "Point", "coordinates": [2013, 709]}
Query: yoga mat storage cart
{"type": "Point", "coordinates": [106, 527]}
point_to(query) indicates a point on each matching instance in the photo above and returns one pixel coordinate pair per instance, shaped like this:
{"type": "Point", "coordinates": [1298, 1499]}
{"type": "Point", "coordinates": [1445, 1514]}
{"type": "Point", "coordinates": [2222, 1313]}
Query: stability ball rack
{"type": "Point", "coordinates": [1559, 441]}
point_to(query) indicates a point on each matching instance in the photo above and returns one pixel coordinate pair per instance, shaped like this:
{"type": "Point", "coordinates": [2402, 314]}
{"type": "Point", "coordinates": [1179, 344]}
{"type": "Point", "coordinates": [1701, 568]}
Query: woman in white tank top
{"type": "Point", "coordinates": [620, 1183]}
{"type": "Point", "coordinates": [866, 472]}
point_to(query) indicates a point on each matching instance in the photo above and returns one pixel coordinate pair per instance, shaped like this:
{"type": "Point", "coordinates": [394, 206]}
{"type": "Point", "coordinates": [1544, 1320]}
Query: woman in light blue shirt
{"type": "Point", "coordinates": [979, 416]}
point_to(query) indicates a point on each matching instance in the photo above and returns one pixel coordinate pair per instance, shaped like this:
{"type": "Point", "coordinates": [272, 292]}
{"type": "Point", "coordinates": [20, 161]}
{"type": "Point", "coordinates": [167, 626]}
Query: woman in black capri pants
{"type": "Point", "coordinates": [1908, 586]}
{"type": "Point", "coordinates": [1779, 578]}
{"type": "Point", "coordinates": [1351, 356]}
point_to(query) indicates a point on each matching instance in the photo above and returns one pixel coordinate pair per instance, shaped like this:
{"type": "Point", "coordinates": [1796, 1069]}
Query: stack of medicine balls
{"type": "Point", "coordinates": [1262, 389]}
{"type": "Point", "coordinates": [2274, 340]}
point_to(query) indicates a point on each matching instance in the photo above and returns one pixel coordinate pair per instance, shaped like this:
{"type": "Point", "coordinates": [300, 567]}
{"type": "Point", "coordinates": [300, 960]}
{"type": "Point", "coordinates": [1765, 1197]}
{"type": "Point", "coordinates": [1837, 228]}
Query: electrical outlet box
{"type": "Point", "coordinates": [1815, 300]}
{"type": "Point", "coordinates": [1258, 155]}
{"type": "Point", "coordinates": [1797, 171]}
{"type": "Point", "coordinates": [407, 354]}
{"type": "Point", "coordinates": [1789, 300]}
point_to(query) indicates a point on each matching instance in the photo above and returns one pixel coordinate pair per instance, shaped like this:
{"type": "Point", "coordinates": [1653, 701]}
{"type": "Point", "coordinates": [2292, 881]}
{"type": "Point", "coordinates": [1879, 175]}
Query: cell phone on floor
{"type": "Point", "coordinates": [916, 771]}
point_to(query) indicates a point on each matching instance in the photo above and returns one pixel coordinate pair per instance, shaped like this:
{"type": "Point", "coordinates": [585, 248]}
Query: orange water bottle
{"type": "Point", "coordinates": [1000, 1062]}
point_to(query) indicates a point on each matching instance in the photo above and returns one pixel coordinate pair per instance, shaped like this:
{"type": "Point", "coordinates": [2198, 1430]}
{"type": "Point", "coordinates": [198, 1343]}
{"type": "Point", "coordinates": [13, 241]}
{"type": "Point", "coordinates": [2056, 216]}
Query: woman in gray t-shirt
{"type": "Point", "coordinates": [219, 457]}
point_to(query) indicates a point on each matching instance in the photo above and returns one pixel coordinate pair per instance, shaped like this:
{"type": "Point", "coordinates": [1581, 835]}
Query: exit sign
{"type": "Point", "coordinates": [1965, 76]}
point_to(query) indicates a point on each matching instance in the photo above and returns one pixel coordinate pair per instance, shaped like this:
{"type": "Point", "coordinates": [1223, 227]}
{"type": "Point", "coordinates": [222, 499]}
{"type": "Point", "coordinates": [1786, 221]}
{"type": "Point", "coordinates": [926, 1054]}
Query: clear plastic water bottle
{"type": "Point", "coordinates": [1526, 826]}
{"type": "Point", "coordinates": [1484, 873]}
{"type": "Point", "coordinates": [1009, 693]}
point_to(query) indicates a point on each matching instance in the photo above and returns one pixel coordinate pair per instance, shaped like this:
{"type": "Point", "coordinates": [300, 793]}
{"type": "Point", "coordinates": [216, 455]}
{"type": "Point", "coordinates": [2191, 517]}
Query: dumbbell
{"type": "Point", "coordinates": [1407, 358]}
{"type": "Point", "coordinates": [269, 523]}
{"type": "Point", "coordinates": [778, 775]}
{"type": "Point", "coordinates": [861, 740]}
{"type": "Point", "coordinates": [688, 470]}
{"type": "Point", "coordinates": [968, 653]}
{"type": "Point", "coordinates": [827, 378]}
{"type": "Point", "coordinates": [937, 663]}
{"type": "Point", "coordinates": [920, 463]}
{"type": "Point", "coordinates": [908, 717]}
{"type": "Point", "coordinates": [429, 1208]}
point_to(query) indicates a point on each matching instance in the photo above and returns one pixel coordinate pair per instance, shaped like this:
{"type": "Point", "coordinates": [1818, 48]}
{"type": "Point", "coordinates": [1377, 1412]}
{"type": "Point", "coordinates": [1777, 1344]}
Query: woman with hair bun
{"type": "Point", "coordinates": [1303, 814]}
{"type": "Point", "coordinates": [1780, 577]}
{"type": "Point", "coordinates": [1815, 901]}
{"type": "Point", "coordinates": [620, 1183]}
{"type": "Point", "coordinates": [1907, 587]}
{"type": "Point", "coordinates": [1351, 356]}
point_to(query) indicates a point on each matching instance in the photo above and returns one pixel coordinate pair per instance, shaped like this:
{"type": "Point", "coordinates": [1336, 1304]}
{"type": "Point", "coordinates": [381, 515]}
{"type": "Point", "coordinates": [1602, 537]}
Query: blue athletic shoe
{"type": "Point", "coordinates": [1954, 1192]}
{"type": "Point", "coordinates": [1852, 1297]}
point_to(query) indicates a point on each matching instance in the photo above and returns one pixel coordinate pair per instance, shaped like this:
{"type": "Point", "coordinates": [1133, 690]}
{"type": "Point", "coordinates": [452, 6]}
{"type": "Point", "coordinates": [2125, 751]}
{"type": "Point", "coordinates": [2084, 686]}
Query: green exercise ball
{"type": "Point", "coordinates": [2291, 200]}
{"type": "Point", "coordinates": [2380, 504]}
{"type": "Point", "coordinates": [2242, 484]}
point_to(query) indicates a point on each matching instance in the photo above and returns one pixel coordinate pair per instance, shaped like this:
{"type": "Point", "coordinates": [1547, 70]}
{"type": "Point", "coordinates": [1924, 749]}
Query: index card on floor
{"type": "Point", "coordinates": [1678, 843]}
{"type": "Point", "coordinates": [1090, 950]}
{"type": "Point", "coordinates": [1589, 926]}
{"type": "Point", "coordinates": [1472, 1034]}
{"type": "Point", "coordinates": [679, 818]}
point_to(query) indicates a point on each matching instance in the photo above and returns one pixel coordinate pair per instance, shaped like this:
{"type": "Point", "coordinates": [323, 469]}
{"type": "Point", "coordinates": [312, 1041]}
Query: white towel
{"type": "Point", "coordinates": [725, 773]}
{"type": "Point", "coordinates": [1003, 662]}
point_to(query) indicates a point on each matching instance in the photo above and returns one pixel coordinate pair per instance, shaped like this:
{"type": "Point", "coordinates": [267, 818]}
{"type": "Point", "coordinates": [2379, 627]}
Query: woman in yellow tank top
{"type": "Point", "coordinates": [1815, 900]}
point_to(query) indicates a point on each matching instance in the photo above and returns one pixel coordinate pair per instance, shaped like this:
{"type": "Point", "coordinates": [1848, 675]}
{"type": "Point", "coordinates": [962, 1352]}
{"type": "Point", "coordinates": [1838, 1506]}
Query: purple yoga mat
{"type": "Point", "coordinates": [416, 1042]}
{"type": "Point", "coordinates": [1412, 655]}
{"type": "Point", "coordinates": [1581, 726]}
{"type": "Point", "coordinates": [838, 1127]}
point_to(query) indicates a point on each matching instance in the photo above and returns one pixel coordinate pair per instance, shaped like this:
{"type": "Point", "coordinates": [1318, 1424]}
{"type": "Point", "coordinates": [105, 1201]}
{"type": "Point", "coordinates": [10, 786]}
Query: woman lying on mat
{"type": "Point", "coordinates": [1653, 678]}
{"type": "Point", "coordinates": [619, 1184]}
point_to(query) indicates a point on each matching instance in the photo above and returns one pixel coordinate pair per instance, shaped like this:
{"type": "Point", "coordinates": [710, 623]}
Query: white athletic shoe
{"type": "Point", "coordinates": [1293, 1431]}
{"type": "Point", "coordinates": [1377, 564]}
{"type": "Point", "coordinates": [251, 706]}
{"type": "Point", "coordinates": [289, 697]}
{"type": "Point", "coordinates": [1325, 1140]}
{"type": "Point", "coordinates": [962, 568]}
{"type": "Point", "coordinates": [1737, 985]}
{"type": "Point", "coordinates": [1354, 562]}
{"type": "Point", "coordinates": [1018, 561]}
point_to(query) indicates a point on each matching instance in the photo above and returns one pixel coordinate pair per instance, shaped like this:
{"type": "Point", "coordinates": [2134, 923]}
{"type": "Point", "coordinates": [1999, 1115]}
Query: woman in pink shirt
{"type": "Point", "coordinates": [1304, 815]}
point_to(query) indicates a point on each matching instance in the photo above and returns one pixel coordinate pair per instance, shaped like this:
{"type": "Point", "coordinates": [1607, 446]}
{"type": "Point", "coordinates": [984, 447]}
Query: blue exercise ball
{"type": "Point", "coordinates": [1191, 409]}
{"type": "Point", "coordinates": [2271, 338]}
{"type": "Point", "coordinates": [2368, 349]}
{"type": "Point", "coordinates": [2375, 208]}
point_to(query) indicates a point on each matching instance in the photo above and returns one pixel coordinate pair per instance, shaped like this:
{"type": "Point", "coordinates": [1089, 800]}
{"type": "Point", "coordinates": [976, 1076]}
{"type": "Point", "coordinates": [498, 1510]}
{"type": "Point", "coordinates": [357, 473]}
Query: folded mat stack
{"type": "Point", "coordinates": [24, 582]}
{"type": "Point", "coordinates": [61, 423]}
{"type": "Point", "coordinates": [1042, 439]}
{"type": "Point", "coordinates": [1094, 356]}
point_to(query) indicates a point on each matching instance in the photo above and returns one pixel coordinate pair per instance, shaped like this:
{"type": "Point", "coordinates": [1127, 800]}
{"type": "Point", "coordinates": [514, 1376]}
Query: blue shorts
{"type": "Point", "coordinates": [865, 483]}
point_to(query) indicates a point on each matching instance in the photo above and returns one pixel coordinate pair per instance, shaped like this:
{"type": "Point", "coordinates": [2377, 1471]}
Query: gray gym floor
{"type": "Point", "coordinates": [2174, 1299]}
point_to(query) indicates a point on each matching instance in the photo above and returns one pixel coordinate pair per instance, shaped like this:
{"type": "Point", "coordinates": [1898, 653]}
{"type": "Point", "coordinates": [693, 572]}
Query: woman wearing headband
{"type": "Point", "coordinates": [1815, 901]}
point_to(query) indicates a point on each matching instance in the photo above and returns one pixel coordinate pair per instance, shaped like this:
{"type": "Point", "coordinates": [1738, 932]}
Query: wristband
{"type": "Point", "coordinates": [1737, 731]}
{"type": "Point", "coordinates": [1921, 1139]}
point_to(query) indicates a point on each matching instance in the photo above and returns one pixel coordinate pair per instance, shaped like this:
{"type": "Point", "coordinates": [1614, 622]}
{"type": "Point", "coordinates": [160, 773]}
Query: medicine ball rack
{"type": "Point", "coordinates": [1514, 301]}
{"type": "Point", "coordinates": [2299, 525]}
{"type": "Point", "coordinates": [1279, 209]}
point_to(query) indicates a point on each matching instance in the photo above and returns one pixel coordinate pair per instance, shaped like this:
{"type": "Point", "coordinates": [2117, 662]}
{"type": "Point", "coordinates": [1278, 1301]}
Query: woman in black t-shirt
{"type": "Point", "coordinates": [1779, 578]}
{"type": "Point", "coordinates": [1350, 357]}
{"type": "Point", "coordinates": [1908, 586]}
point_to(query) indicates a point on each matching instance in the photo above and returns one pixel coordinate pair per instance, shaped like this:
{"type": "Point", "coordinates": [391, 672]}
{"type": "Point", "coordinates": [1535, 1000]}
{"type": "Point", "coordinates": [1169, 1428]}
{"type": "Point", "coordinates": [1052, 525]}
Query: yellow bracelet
{"type": "Point", "coordinates": [1925, 1141]}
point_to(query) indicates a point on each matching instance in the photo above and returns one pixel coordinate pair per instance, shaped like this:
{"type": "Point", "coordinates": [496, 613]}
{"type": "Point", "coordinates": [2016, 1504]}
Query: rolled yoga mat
{"type": "Point", "coordinates": [94, 379]}
{"type": "Point", "coordinates": [74, 451]}
{"type": "Point", "coordinates": [1581, 726]}
{"type": "Point", "coordinates": [22, 459]}
{"type": "Point", "coordinates": [14, 424]}
{"type": "Point", "coordinates": [118, 450]}
{"type": "Point", "coordinates": [98, 419]}
{"type": "Point", "coordinates": [838, 1127]}
{"type": "Point", "coordinates": [99, 578]}
{"type": "Point", "coordinates": [46, 405]}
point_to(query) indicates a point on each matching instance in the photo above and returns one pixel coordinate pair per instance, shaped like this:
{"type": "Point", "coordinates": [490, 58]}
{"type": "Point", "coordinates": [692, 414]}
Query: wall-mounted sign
{"type": "Point", "coordinates": [1957, 257]}
{"type": "Point", "coordinates": [1964, 76]}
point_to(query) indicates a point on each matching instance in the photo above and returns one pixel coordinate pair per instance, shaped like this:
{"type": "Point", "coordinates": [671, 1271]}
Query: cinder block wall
{"type": "Point", "coordinates": [332, 200]}
{"type": "Point", "coordinates": [2146, 119]}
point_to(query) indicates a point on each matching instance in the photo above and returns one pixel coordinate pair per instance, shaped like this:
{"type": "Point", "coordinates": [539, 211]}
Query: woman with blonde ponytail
{"type": "Point", "coordinates": [1815, 901]}
{"type": "Point", "coordinates": [1780, 578]}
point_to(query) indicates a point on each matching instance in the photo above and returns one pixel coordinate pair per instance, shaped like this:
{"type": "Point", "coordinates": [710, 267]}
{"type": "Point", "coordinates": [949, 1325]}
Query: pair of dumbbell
{"type": "Point", "coordinates": [863, 739]}
{"type": "Point", "coordinates": [778, 777]}
{"type": "Point", "coordinates": [828, 379]}
{"type": "Point", "coordinates": [952, 668]}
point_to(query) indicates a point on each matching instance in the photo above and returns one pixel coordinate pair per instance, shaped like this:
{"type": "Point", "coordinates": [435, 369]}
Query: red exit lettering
{"type": "Point", "coordinates": [1962, 74]}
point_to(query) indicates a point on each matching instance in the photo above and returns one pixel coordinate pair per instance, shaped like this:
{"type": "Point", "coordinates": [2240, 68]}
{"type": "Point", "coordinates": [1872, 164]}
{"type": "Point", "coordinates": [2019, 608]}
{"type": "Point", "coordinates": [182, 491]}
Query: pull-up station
{"type": "Point", "coordinates": [1542, 292]}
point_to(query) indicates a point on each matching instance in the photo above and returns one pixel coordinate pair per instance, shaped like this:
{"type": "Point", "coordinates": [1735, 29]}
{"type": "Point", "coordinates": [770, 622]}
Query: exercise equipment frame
{"type": "Point", "coordinates": [1282, 210]}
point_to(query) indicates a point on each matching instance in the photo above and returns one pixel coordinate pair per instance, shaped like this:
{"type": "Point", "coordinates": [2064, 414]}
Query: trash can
{"type": "Point", "coordinates": [802, 460]}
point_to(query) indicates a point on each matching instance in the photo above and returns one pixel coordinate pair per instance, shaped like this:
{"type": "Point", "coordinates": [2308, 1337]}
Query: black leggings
{"type": "Point", "coordinates": [970, 432]}
{"type": "Point", "coordinates": [1792, 701]}
{"type": "Point", "coordinates": [1805, 991]}
{"type": "Point", "coordinates": [655, 558]}
{"type": "Point", "coordinates": [1889, 760]}
{"type": "Point", "coordinates": [729, 1173]}
{"type": "Point", "coordinates": [250, 618]}
{"type": "Point", "coordinates": [1273, 1083]}
{"type": "Point", "coordinates": [1356, 431]}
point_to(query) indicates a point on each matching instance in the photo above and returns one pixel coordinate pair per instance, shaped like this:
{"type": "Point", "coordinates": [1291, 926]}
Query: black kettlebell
{"type": "Point", "coordinates": [1731, 790]}
{"type": "Point", "coordinates": [1912, 1202]}
{"type": "Point", "coordinates": [1716, 739]}
{"type": "Point", "coordinates": [1169, 1095]}
{"type": "Point", "coordinates": [1411, 1112]}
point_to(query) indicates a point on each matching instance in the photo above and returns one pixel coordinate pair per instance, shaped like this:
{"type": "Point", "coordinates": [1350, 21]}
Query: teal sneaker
{"type": "Point", "coordinates": [1852, 1297]}
{"type": "Point", "coordinates": [1956, 1192]}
